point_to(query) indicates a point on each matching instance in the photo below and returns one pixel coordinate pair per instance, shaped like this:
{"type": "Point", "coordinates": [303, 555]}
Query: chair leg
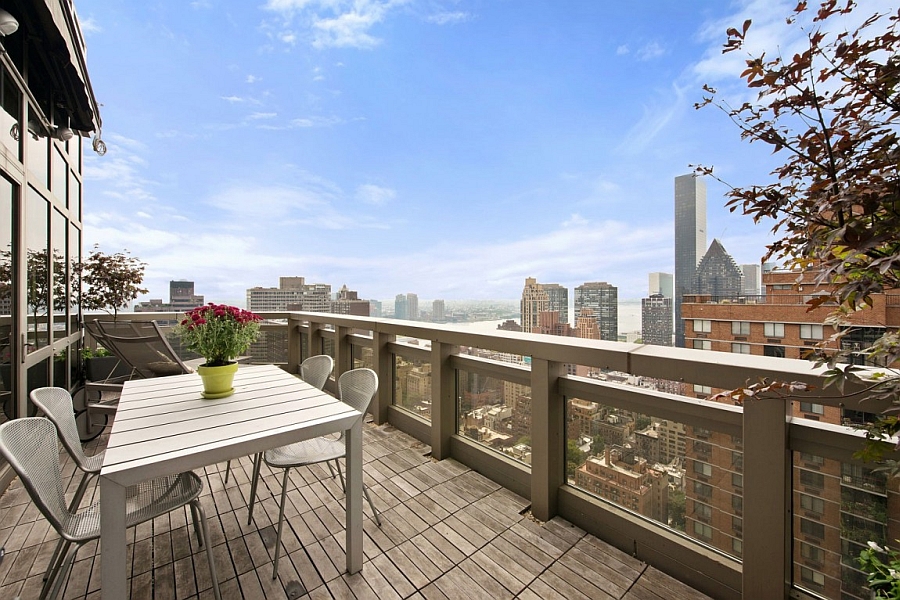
{"type": "Point", "coordinates": [195, 517]}
{"type": "Point", "coordinates": [203, 533]}
{"type": "Point", "coordinates": [54, 585]}
{"type": "Point", "coordinates": [372, 506]}
{"type": "Point", "coordinates": [227, 471]}
{"type": "Point", "coordinates": [59, 556]}
{"type": "Point", "coordinates": [337, 463]}
{"type": "Point", "coordinates": [284, 486]}
{"type": "Point", "coordinates": [79, 493]}
{"type": "Point", "coordinates": [257, 465]}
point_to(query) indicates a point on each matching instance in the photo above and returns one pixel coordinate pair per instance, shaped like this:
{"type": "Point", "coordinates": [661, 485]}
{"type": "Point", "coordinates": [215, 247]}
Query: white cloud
{"type": "Point", "coordinates": [622, 50]}
{"type": "Point", "coordinates": [445, 18]}
{"type": "Point", "coordinates": [650, 51]}
{"type": "Point", "coordinates": [261, 115]}
{"type": "Point", "coordinates": [373, 194]}
{"type": "Point", "coordinates": [331, 23]}
{"type": "Point", "coordinates": [656, 118]}
{"type": "Point", "coordinates": [253, 79]}
{"type": "Point", "coordinates": [233, 99]}
{"type": "Point", "coordinates": [90, 25]}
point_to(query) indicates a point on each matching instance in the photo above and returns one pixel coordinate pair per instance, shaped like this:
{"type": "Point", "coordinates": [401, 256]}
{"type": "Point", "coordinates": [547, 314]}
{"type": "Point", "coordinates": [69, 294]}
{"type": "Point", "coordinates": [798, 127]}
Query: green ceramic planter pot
{"type": "Point", "coordinates": [217, 381]}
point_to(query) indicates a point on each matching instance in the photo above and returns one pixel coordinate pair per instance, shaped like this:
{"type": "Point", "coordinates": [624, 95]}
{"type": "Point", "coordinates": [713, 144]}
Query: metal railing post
{"type": "Point", "coordinates": [383, 364]}
{"type": "Point", "coordinates": [548, 440]}
{"type": "Point", "coordinates": [767, 499]}
{"type": "Point", "coordinates": [443, 399]}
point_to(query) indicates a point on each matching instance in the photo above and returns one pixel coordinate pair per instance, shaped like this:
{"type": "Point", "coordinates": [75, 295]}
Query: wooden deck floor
{"type": "Point", "coordinates": [447, 532]}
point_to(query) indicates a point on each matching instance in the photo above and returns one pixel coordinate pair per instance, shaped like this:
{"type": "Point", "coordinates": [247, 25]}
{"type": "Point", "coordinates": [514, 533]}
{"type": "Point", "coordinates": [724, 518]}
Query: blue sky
{"type": "Point", "coordinates": [450, 148]}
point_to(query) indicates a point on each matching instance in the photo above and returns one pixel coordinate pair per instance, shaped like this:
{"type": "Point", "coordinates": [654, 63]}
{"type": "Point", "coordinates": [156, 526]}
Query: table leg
{"type": "Point", "coordinates": [354, 496]}
{"type": "Point", "coordinates": [112, 540]}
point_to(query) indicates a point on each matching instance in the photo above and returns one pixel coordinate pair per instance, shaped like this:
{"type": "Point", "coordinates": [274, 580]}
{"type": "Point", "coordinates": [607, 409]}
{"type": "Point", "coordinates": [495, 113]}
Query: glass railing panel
{"type": "Point", "coordinates": [685, 477]}
{"type": "Point", "coordinates": [838, 507]}
{"type": "Point", "coordinates": [362, 356]}
{"type": "Point", "coordinates": [495, 413]}
{"type": "Point", "coordinates": [270, 347]}
{"type": "Point", "coordinates": [412, 385]}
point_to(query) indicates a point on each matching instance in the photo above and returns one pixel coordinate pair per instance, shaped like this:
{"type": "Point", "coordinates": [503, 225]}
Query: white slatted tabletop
{"type": "Point", "coordinates": [164, 426]}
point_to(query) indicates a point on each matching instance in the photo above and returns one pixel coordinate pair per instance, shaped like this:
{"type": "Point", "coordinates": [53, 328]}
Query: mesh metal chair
{"type": "Point", "coordinates": [356, 388]}
{"type": "Point", "coordinates": [30, 446]}
{"type": "Point", "coordinates": [315, 371]}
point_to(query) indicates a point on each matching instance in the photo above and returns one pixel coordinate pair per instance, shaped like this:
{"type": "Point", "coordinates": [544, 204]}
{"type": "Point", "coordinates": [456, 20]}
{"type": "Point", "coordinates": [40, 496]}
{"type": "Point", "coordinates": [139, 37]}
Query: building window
{"type": "Point", "coordinates": [702, 344]}
{"type": "Point", "coordinates": [702, 530]}
{"type": "Point", "coordinates": [812, 407]}
{"type": "Point", "coordinates": [702, 326]}
{"type": "Point", "coordinates": [812, 458]}
{"type": "Point", "coordinates": [812, 528]}
{"type": "Point", "coordinates": [812, 504]}
{"type": "Point", "coordinates": [737, 459]}
{"type": "Point", "coordinates": [737, 504]}
{"type": "Point", "coordinates": [812, 479]}
{"type": "Point", "coordinates": [809, 576]}
{"type": "Point", "coordinates": [702, 490]}
{"type": "Point", "coordinates": [702, 468]}
{"type": "Point", "coordinates": [774, 330]}
{"type": "Point", "coordinates": [812, 553]}
{"type": "Point", "coordinates": [737, 480]}
{"type": "Point", "coordinates": [809, 331]}
{"type": "Point", "coordinates": [740, 328]}
{"type": "Point", "coordinates": [737, 546]}
{"type": "Point", "coordinates": [702, 389]}
{"type": "Point", "coordinates": [776, 351]}
{"type": "Point", "coordinates": [702, 511]}
{"type": "Point", "coordinates": [739, 348]}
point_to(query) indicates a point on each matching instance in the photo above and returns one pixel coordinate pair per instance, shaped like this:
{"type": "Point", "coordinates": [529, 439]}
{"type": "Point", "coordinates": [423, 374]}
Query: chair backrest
{"type": "Point", "coordinates": [142, 346]}
{"type": "Point", "coordinates": [316, 370]}
{"type": "Point", "coordinates": [357, 388]}
{"type": "Point", "coordinates": [56, 403]}
{"type": "Point", "coordinates": [30, 446]}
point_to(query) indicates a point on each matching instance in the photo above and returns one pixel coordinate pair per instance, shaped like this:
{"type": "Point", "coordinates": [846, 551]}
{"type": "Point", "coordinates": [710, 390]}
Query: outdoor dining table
{"type": "Point", "coordinates": [164, 426]}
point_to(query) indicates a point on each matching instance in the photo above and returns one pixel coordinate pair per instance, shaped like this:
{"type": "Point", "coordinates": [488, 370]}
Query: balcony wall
{"type": "Point", "coordinates": [775, 461]}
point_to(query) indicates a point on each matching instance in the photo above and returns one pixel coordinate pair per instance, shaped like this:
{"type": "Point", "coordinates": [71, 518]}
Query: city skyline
{"type": "Point", "coordinates": [409, 146]}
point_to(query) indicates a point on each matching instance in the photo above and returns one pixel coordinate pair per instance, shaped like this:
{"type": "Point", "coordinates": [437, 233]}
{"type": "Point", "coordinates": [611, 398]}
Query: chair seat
{"type": "Point", "coordinates": [143, 502]}
{"type": "Point", "coordinates": [305, 452]}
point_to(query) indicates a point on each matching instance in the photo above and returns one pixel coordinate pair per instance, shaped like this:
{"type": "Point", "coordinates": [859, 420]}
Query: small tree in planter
{"type": "Point", "coordinates": [110, 281]}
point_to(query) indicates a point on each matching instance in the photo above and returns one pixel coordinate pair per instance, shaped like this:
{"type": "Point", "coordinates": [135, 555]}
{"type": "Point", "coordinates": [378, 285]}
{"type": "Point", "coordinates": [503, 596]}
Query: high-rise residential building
{"type": "Point", "coordinates": [838, 506]}
{"type": "Point", "coordinates": [656, 320]}
{"type": "Point", "coordinates": [558, 297]}
{"type": "Point", "coordinates": [603, 301]}
{"type": "Point", "coordinates": [752, 279]}
{"type": "Point", "coordinates": [690, 239]}
{"type": "Point", "coordinates": [375, 308]}
{"type": "Point", "coordinates": [535, 300]}
{"type": "Point", "coordinates": [292, 293]}
{"type": "Point", "coordinates": [401, 307]}
{"type": "Point", "coordinates": [412, 307]}
{"type": "Point", "coordinates": [181, 299]}
{"type": "Point", "coordinates": [661, 283]}
{"type": "Point", "coordinates": [438, 311]}
{"type": "Point", "coordinates": [717, 274]}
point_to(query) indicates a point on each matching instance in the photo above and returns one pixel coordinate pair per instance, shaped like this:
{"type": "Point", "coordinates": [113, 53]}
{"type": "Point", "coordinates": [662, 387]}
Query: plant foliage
{"type": "Point", "coordinates": [832, 111]}
{"type": "Point", "coordinates": [218, 332]}
{"type": "Point", "coordinates": [111, 280]}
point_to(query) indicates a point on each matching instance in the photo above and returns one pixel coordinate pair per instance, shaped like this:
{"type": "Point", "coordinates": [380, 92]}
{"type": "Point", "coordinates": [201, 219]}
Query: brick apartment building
{"type": "Point", "coordinates": [838, 506]}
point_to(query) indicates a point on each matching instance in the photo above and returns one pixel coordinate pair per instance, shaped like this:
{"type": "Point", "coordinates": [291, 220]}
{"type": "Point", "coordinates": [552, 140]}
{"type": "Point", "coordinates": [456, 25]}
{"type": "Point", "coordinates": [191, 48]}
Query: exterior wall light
{"type": "Point", "coordinates": [8, 23]}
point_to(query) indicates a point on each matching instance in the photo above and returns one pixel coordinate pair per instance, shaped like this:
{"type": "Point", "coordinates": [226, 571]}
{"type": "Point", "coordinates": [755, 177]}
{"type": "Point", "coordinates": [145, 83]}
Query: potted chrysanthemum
{"type": "Point", "coordinates": [220, 333]}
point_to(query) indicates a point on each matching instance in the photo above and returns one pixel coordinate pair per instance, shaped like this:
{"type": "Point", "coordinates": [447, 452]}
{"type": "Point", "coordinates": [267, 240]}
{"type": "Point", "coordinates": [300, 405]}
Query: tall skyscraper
{"type": "Point", "coordinates": [752, 279]}
{"type": "Point", "coordinates": [717, 274]}
{"type": "Point", "coordinates": [558, 296]}
{"type": "Point", "coordinates": [534, 301]}
{"type": "Point", "coordinates": [438, 311]}
{"type": "Point", "coordinates": [661, 283]}
{"type": "Point", "coordinates": [656, 320]}
{"type": "Point", "coordinates": [603, 300]}
{"type": "Point", "coordinates": [690, 239]}
{"type": "Point", "coordinates": [412, 306]}
{"type": "Point", "coordinates": [401, 308]}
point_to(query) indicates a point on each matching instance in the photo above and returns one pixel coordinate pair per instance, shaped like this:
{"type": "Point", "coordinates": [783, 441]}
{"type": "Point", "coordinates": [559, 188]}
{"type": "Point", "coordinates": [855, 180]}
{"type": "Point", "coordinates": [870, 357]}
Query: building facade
{"type": "Point", "coordinates": [656, 320]}
{"type": "Point", "coordinates": [602, 299]}
{"type": "Point", "coordinates": [292, 293]}
{"type": "Point", "coordinates": [690, 238]}
{"type": "Point", "coordinates": [181, 299]}
{"type": "Point", "coordinates": [718, 274]}
{"type": "Point", "coordinates": [661, 283]}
